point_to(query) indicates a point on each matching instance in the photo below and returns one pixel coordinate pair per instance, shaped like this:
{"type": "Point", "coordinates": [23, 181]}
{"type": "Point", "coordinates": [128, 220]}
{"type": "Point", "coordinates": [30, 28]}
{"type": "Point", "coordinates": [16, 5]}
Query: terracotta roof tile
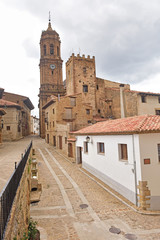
{"type": "Point", "coordinates": [137, 124]}
{"type": "Point", "coordinates": [5, 103]}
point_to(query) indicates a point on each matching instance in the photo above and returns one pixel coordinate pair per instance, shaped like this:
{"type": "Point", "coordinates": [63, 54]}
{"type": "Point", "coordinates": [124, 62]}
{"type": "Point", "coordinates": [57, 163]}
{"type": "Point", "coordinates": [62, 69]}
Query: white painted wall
{"type": "Point", "coordinates": [150, 172]}
{"type": "Point", "coordinates": [109, 165]}
{"type": "Point", "coordinates": [149, 107]}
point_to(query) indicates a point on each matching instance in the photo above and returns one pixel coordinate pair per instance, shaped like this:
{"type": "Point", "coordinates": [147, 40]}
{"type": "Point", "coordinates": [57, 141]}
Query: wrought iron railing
{"type": "Point", "coordinates": [9, 192]}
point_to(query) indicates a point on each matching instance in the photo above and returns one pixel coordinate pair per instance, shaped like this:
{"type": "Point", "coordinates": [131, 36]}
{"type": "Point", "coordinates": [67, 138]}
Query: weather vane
{"type": "Point", "coordinates": [49, 16]}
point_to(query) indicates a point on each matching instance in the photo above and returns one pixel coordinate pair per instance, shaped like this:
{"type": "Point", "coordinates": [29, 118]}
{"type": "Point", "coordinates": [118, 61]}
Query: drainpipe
{"type": "Point", "coordinates": [122, 100]}
{"type": "Point", "coordinates": [135, 171]}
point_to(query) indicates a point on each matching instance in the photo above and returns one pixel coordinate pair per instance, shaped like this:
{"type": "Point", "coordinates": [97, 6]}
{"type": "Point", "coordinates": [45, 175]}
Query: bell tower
{"type": "Point", "coordinates": [51, 82]}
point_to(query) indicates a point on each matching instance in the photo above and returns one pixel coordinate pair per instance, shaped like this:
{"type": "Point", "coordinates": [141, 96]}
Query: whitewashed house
{"type": "Point", "coordinates": [124, 153]}
{"type": "Point", "coordinates": [34, 125]}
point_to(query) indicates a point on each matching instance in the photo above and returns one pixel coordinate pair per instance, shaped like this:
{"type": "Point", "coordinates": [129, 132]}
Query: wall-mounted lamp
{"type": "Point", "coordinates": [87, 139]}
{"type": "Point", "coordinates": [1, 123]}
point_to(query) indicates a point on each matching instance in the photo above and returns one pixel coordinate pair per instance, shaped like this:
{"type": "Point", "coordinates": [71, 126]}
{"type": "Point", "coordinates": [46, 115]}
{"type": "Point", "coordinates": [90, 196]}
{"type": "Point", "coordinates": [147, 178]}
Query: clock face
{"type": "Point", "coordinates": [52, 66]}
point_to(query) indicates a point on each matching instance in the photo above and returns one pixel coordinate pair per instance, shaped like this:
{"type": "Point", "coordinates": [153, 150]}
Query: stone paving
{"type": "Point", "coordinates": [60, 214]}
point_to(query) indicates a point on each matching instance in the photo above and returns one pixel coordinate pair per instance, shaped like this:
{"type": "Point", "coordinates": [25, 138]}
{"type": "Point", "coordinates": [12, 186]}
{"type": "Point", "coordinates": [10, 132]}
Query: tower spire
{"type": "Point", "coordinates": [49, 24]}
{"type": "Point", "coordinates": [49, 16]}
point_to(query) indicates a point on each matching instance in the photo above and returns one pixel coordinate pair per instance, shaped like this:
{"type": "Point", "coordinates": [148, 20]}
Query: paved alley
{"type": "Point", "coordinates": [73, 206]}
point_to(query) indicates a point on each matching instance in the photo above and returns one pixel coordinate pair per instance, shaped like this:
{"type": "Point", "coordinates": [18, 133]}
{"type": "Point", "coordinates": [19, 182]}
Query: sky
{"type": "Point", "coordinates": [123, 35]}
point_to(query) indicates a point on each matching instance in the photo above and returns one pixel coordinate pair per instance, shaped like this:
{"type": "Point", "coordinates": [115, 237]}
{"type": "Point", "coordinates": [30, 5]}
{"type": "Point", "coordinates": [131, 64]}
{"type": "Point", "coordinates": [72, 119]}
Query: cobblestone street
{"type": "Point", "coordinates": [74, 207]}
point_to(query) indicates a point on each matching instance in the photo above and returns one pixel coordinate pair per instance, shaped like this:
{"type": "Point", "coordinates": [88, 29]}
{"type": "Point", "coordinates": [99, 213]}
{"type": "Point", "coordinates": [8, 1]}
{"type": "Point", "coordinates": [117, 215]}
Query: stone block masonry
{"type": "Point", "coordinates": [20, 212]}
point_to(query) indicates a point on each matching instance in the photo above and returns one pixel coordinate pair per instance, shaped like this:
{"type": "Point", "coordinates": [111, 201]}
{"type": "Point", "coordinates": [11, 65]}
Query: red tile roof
{"type": "Point", "coordinates": [137, 124]}
{"type": "Point", "coordinates": [5, 103]}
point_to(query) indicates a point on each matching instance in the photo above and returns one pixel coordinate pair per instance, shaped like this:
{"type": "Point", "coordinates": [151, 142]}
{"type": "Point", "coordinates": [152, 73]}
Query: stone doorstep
{"type": "Point", "coordinates": [35, 195]}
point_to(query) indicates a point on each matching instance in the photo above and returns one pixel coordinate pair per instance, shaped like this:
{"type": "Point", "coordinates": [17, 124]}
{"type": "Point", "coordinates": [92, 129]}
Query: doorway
{"type": "Point", "coordinates": [79, 155]}
{"type": "Point", "coordinates": [54, 141]}
{"type": "Point", "coordinates": [47, 138]}
{"type": "Point", "coordinates": [60, 142]}
{"type": "Point", "coordinates": [70, 150]}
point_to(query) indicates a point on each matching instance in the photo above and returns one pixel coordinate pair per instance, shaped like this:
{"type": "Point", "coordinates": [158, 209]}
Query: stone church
{"type": "Point", "coordinates": [85, 99]}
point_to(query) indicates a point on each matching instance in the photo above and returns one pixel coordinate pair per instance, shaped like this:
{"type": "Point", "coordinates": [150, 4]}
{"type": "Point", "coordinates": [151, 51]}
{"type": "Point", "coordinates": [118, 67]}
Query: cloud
{"type": "Point", "coordinates": [123, 35]}
{"type": "Point", "coordinates": [31, 48]}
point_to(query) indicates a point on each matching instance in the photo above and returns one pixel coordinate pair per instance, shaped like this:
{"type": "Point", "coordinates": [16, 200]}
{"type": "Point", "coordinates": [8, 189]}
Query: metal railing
{"type": "Point", "coordinates": [9, 192]}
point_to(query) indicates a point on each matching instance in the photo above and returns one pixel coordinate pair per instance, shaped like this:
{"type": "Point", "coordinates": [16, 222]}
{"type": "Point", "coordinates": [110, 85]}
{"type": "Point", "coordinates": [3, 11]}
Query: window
{"type": "Point", "coordinates": [147, 161]}
{"type": "Point", "coordinates": [85, 88]}
{"type": "Point", "coordinates": [143, 99]}
{"type": "Point", "coordinates": [85, 147]}
{"type": "Point", "coordinates": [53, 110]}
{"type": "Point", "coordinates": [8, 128]}
{"type": "Point", "coordinates": [57, 51]}
{"type": "Point", "coordinates": [100, 147]}
{"type": "Point", "coordinates": [84, 70]}
{"type": "Point", "coordinates": [158, 145]}
{"type": "Point", "coordinates": [51, 49]}
{"type": "Point", "coordinates": [157, 112]}
{"type": "Point", "coordinates": [123, 154]}
{"type": "Point", "coordinates": [159, 99]}
{"type": "Point", "coordinates": [52, 72]}
{"type": "Point", "coordinates": [73, 101]}
{"type": "Point", "coordinates": [65, 140]}
{"type": "Point", "coordinates": [99, 110]}
{"type": "Point", "coordinates": [97, 87]}
{"type": "Point", "coordinates": [87, 111]}
{"type": "Point", "coordinates": [67, 114]}
{"type": "Point", "coordinates": [44, 50]}
{"type": "Point", "coordinates": [53, 123]}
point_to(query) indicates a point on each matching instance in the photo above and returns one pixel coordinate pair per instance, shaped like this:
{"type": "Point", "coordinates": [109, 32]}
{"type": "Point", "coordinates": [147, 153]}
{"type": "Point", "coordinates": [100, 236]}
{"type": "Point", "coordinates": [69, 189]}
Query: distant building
{"type": "Point", "coordinates": [2, 112]}
{"type": "Point", "coordinates": [11, 121]}
{"type": "Point", "coordinates": [34, 125]}
{"type": "Point", "coordinates": [26, 107]}
{"type": "Point", "coordinates": [16, 121]}
{"type": "Point", "coordinates": [125, 154]}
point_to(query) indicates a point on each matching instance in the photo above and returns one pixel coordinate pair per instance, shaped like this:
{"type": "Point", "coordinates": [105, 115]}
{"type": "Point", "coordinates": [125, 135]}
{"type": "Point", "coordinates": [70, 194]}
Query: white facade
{"type": "Point", "coordinates": [124, 175]}
{"type": "Point", "coordinates": [34, 125]}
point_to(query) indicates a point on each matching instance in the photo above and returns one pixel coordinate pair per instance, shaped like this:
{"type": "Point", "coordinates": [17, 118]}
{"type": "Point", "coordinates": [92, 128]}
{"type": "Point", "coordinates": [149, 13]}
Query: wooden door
{"type": "Point", "coordinates": [70, 150]}
{"type": "Point", "coordinates": [60, 142]}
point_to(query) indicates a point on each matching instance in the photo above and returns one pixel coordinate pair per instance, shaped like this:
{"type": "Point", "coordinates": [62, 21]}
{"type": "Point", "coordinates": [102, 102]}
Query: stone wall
{"type": "Point", "coordinates": [80, 73]}
{"type": "Point", "coordinates": [12, 130]}
{"type": "Point", "coordinates": [20, 212]}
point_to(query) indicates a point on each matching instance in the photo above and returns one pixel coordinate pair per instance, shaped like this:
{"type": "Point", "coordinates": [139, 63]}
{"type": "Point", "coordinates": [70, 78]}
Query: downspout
{"type": "Point", "coordinates": [135, 171]}
{"type": "Point", "coordinates": [122, 100]}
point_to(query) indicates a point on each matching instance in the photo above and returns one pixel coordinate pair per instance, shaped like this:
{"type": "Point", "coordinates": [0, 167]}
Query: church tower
{"type": "Point", "coordinates": [51, 82]}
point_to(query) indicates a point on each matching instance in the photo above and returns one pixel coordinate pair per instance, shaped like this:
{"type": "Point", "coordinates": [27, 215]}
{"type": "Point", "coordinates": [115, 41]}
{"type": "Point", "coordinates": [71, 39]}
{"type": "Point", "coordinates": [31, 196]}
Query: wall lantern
{"type": "Point", "coordinates": [87, 139]}
{"type": "Point", "coordinates": [1, 123]}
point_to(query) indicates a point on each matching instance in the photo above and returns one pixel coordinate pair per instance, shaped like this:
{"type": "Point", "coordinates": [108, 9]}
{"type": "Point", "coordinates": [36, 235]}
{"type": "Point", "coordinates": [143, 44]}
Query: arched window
{"type": "Point", "coordinates": [44, 48]}
{"type": "Point", "coordinates": [51, 49]}
{"type": "Point", "coordinates": [57, 51]}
